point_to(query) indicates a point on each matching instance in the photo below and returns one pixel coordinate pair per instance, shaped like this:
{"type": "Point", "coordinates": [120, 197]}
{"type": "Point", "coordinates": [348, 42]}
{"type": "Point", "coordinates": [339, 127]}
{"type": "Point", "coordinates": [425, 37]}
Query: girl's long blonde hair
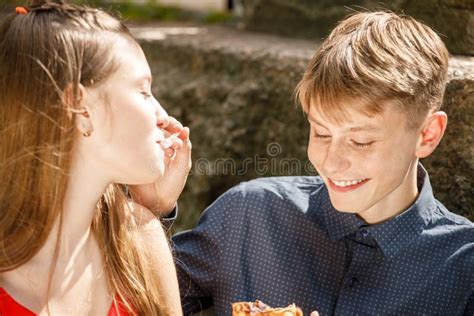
{"type": "Point", "coordinates": [52, 48]}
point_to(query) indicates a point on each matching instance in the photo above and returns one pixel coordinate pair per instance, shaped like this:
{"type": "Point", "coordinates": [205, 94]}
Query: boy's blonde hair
{"type": "Point", "coordinates": [374, 57]}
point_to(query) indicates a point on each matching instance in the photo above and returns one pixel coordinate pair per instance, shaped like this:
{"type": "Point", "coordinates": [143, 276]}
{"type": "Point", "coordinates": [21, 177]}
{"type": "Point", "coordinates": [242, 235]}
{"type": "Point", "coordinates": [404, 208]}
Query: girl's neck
{"type": "Point", "coordinates": [71, 245]}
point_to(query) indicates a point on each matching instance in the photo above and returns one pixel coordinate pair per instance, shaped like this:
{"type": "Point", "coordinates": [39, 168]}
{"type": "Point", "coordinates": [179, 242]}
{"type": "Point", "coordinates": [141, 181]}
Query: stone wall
{"type": "Point", "coordinates": [453, 19]}
{"type": "Point", "coordinates": [234, 89]}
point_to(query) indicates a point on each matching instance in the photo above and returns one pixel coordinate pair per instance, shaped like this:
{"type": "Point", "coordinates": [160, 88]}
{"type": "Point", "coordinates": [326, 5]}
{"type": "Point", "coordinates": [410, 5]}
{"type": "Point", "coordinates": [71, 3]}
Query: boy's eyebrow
{"type": "Point", "coordinates": [370, 128]}
{"type": "Point", "coordinates": [367, 127]}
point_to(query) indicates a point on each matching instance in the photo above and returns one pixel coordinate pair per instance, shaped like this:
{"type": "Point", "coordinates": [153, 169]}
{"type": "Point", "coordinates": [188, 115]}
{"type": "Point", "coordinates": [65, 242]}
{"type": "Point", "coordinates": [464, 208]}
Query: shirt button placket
{"type": "Point", "coordinates": [351, 282]}
{"type": "Point", "coordinates": [364, 233]}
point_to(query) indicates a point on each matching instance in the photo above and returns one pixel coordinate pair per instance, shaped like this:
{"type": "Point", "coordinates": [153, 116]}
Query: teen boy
{"type": "Point", "coordinates": [367, 236]}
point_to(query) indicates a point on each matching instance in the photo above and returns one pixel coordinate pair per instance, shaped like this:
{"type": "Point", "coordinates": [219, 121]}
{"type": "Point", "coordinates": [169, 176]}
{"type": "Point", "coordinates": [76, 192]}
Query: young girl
{"type": "Point", "coordinates": [78, 122]}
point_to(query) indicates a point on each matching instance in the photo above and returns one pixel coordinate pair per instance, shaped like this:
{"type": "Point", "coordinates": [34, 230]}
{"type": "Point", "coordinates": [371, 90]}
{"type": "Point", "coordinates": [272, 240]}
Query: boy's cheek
{"type": "Point", "coordinates": [311, 150]}
{"type": "Point", "coordinates": [314, 159]}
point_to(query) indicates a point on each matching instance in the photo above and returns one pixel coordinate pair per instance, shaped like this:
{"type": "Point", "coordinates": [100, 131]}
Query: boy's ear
{"type": "Point", "coordinates": [431, 134]}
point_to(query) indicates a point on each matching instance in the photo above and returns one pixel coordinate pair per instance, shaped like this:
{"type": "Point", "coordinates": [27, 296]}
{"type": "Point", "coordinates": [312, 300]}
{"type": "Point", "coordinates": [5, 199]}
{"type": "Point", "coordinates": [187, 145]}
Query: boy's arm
{"type": "Point", "coordinates": [198, 254]}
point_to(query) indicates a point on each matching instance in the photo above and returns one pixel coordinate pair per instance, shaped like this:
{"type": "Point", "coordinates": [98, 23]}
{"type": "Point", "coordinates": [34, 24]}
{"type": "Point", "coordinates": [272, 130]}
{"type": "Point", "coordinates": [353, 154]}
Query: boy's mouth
{"type": "Point", "coordinates": [346, 185]}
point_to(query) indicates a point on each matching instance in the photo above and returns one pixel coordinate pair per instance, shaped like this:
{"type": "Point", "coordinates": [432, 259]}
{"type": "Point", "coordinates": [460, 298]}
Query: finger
{"type": "Point", "coordinates": [170, 152]}
{"type": "Point", "coordinates": [182, 143]}
{"type": "Point", "coordinates": [177, 147]}
{"type": "Point", "coordinates": [183, 155]}
{"type": "Point", "coordinates": [314, 313]}
{"type": "Point", "coordinates": [184, 135]}
{"type": "Point", "coordinates": [177, 143]}
{"type": "Point", "coordinates": [187, 141]}
{"type": "Point", "coordinates": [174, 126]}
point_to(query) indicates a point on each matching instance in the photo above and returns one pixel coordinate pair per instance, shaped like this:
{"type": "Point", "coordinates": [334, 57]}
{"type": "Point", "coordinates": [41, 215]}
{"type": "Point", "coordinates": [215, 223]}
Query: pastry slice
{"type": "Point", "coordinates": [258, 308]}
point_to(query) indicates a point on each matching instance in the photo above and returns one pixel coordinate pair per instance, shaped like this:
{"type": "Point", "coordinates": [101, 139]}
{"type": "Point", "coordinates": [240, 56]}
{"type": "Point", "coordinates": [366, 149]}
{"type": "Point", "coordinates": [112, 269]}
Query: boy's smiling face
{"type": "Point", "coordinates": [368, 163]}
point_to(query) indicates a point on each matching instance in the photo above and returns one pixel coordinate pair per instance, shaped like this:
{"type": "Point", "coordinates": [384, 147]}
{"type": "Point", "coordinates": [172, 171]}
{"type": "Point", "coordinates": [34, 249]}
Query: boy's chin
{"type": "Point", "coordinates": [347, 211]}
{"type": "Point", "coordinates": [346, 207]}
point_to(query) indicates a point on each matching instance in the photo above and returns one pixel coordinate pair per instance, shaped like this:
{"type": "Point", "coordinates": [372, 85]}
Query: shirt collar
{"type": "Point", "coordinates": [393, 235]}
{"type": "Point", "coordinates": [397, 233]}
{"type": "Point", "coordinates": [338, 224]}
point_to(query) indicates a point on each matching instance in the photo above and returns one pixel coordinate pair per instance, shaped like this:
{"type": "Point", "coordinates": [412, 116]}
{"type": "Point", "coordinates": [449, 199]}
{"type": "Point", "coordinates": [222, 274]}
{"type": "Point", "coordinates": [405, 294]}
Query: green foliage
{"type": "Point", "coordinates": [148, 12]}
{"type": "Point", "coordinates": [12, 2]}
{"type": "Point", "coordinates": [218, 17]}
{"type": "Point", "coordinates": [92, 3]}
{"type": "Point", "coordinates": [140, 12]}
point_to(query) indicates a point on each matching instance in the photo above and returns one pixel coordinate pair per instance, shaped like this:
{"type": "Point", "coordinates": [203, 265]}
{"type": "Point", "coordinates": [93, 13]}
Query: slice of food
{"type": "Point", "coordinates": [259, 308]}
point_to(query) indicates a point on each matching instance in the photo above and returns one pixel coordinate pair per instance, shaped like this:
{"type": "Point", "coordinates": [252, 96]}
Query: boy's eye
{"type": "Point", "coordinates": [362, 145]}
{"type": "Point", "coordinates": [321, 136]}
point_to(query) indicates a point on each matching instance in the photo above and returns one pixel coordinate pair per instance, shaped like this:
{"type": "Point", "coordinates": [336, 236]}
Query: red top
{"type": "Point", "coordinates": [8, 306]}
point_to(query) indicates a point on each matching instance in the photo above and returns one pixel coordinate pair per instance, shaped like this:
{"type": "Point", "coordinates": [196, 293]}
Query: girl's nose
{"type": "Point", "coordinates": [162, 118]}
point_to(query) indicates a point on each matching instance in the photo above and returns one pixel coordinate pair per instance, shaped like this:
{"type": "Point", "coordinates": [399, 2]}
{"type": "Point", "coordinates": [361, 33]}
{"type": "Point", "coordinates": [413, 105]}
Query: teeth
{"type": "Point", "coordinates": [343, 184]}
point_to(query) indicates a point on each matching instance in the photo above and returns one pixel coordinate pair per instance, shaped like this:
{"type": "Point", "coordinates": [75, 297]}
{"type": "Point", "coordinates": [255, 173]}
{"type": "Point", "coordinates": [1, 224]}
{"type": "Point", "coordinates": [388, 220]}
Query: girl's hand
{"type": "Point", "coordinates": [160, 197]}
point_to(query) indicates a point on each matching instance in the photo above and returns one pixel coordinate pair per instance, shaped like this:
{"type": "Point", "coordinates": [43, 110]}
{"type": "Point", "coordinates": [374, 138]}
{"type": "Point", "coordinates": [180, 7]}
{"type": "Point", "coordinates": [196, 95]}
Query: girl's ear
{"type": "Point", "coordinates": [82, 111]}
{"type": "Point", "coordinates": [81, 91]}
{"type": "Point", "coordinates": [431, 134]}
{"type": "Point", "coordinates": [68, 95]}
{"type": "Point", "coordinates": [73, 103]}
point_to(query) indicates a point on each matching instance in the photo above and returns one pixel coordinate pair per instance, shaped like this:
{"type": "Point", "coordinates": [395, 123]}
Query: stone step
{"type": "Point", "coordinates": [234, 89]}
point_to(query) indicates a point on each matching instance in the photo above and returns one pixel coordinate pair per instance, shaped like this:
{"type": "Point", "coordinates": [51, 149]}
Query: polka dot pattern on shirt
{"type": "Point", "coordinates": [280, 240]}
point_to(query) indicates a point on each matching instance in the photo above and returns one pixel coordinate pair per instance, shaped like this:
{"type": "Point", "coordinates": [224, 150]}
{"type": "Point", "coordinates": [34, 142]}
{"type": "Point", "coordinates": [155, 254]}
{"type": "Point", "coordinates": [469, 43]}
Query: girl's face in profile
{"type": "Point", "coordinates": [127, 121]}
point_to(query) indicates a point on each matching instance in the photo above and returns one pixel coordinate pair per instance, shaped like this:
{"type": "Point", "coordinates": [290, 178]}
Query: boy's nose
{"type": "Point", "coordinates": [335, 160]}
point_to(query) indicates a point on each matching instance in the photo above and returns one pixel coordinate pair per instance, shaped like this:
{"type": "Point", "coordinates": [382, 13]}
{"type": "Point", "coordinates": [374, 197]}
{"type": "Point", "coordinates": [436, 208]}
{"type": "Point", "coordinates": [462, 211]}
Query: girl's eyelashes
{"type": "Point", "coordinates": [147, 95]}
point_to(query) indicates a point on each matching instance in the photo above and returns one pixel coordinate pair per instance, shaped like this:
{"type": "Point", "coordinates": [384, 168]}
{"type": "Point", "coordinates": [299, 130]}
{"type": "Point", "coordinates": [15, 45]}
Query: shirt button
{"type": "Point", "coordinates": [364, 233]}
{"type": "Point", "coordinates": [352, 281]}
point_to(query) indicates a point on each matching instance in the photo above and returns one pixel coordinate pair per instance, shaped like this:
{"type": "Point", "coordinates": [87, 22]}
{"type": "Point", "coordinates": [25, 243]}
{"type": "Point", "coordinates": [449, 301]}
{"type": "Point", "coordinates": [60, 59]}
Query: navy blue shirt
{"type": "Point", "coordinates": [280, 240]}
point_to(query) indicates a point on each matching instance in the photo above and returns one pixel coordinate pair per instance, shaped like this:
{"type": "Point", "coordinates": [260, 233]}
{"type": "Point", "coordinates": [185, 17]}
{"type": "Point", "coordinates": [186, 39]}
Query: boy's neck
{"type": "Point", "coordinates": [398, 202]}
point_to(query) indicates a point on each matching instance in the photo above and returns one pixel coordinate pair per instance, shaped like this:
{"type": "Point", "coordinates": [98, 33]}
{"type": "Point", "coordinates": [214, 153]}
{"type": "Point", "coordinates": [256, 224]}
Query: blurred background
{"type": "Point", "coordinates": [228, 68]}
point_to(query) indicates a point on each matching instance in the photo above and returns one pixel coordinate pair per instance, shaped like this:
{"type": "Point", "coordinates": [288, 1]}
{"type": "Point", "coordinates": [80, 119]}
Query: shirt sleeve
{"type": "Point", "coordinates": [470, 306]}
{"type": "Point", "coordinates": [198, 252]}
{"type": "Point", "coordinates": [169, 219]}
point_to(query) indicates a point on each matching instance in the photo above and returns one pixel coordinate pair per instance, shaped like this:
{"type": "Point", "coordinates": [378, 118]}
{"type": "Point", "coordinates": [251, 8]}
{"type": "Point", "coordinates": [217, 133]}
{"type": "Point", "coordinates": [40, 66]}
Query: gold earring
{"type": "Point", "coordinates": [86, 125]}
{"type": "Point", "coordinates": [85, 113]}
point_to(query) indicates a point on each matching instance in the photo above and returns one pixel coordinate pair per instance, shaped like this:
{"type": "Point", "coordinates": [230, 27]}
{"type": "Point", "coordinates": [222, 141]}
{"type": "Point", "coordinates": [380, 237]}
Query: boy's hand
{"type": "Point", "coordinates": [160, 197]}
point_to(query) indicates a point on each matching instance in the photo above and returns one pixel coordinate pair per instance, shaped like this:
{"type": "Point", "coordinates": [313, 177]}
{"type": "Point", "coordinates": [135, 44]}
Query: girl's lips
{"type": "Point", "coordinates": [164, 143]}
{"type": "Point", "coordinates": [346, 188]}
